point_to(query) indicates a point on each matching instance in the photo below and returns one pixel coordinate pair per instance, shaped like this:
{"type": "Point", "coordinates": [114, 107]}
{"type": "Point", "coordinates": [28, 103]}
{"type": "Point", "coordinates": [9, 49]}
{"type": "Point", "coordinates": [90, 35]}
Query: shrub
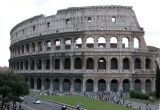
{"type": "Point", "coordinates": [140, 95]}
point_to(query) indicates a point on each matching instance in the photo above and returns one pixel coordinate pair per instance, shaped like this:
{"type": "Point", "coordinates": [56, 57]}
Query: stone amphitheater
{"type": "Point", "coordinates": [84, 49]}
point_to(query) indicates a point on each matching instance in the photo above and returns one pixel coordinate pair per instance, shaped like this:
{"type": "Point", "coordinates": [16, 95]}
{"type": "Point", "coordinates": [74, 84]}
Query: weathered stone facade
{"type": "Point", "coordinates": [84, 49]}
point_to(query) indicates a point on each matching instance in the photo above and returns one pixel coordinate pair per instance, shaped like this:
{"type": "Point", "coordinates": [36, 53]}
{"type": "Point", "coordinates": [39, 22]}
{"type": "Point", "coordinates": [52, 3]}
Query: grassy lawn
{"type": "Point", "coordinates": [139, 100]}
{"type": "Point", "coordinates": [87, 103]}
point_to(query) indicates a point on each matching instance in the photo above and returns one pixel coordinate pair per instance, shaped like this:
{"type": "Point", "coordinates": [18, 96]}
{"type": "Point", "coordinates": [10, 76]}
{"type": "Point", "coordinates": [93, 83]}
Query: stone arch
{"type": "Point", "coordinates": [90, 63]}
{"type": "Point", "coordinates": [148, 85]}
{"type": "Point", "coordinates": [126, 63]}
{"type": "Point", "coordinates": [67, 63]}
{"type": "Point", "coordinates": [125, 42]}
{"type": "Point", "coordinates": [101, 63]}
{"type": "Point", "coordinates": [78, 42]}
{"type": "Point", "coordinates": [27, 48]}
{"type": "Point", "coordinates": [67, 42]}
{"type": "Point", "coordinates": [48, 45]}
{"type": "Point", "coordinates": [148, 63]}
{"type": "Point", "coordinates": [78, 63]}
{"type": "Point", "coordinates": [46, 84]}
{"type": "Point", "coordinates": [57, 44]}
{"type": "Point", "coordinates": [89, 85]}
{"type": "Point", "coordinates": [136, 42]}
{"type": "Point", "coordinates": [114, 63]}
{"type": "Point", "coordinates": [32, 83]}
{"type": "Point", "coordinates": [101, 42]}
{"type": "Point", "coordinates": [39, 64]}
{"type": "Point", "coordinates": [90, 42]}
{"type": "Point", "coordinates": [39, 83]}
{"type": "Point", "coordinates": [47, 61]}
{"type": "Point", "coordinates": [26, 65]}
{"type": "Point", "coordinates": [33, 46]}
{"type": "Point", "coordinates": [22, 49]}
{"type": "Point", "coordinates": [56, 84]}
{"type": "Point", "coordinates": [57, 64]}
{"type": "Point", "coordinates": [66, 85]}
{"type": "Point", "coordinates": [101, 85]}
{"type": "Point", "coordinates": [113, 42]}
{"type": "Point", "coordinates": [137, 63]}
{"type": "Point", "coordinates": [137, 84]}
{"type": "Point", "coordinates": [77, 85]}
{"type": "Point", "coordinates": [114, 85]}
{"type": "Point", "coordinates": [126, 85]}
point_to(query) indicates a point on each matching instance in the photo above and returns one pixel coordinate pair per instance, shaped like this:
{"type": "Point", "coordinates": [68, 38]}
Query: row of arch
{"type": "Point", "coordinates": [89, 85]}
{"type": "Point", "coordinates": [78, 64]}
{"type": "Point", "coordinates": [67, 43]}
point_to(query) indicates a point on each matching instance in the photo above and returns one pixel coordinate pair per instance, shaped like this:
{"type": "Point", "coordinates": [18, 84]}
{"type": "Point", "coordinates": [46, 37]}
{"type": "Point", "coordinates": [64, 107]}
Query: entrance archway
{"type": "Point", "coordinates": [114, 85]}
{"type": "Point", "coordinates": [77, 85]}
{"type": "Point", "coordinates": [89, 85]}
{"type": "Point", "coordinates": [66, 85]}
{"type": "Point", "coordinates": [39, 83]}
{"type": "Point", "coordinates": [126, 85]}
{"type": "Point", "coordinates": [46, 84]}
{"type": "Point", "coordinates": [101, 85]}
{"type": "Point", "coordinates": [56, 85]}
{"type": "Point", "coordinates": [137, 84]}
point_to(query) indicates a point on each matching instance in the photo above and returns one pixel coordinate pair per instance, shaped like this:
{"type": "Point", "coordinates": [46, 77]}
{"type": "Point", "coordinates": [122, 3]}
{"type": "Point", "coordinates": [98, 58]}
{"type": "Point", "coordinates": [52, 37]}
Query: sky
{"type": "Point", "coordinates": [13, 12]}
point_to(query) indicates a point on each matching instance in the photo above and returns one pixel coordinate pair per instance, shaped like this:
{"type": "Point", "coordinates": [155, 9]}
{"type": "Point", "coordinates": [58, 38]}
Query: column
{"type": "Point", "coordinates": [153, 85]}
{"type": "Point", "coordinates": [120, 85]}
{"type": "Point", "coordinates": [84, 85]}
{"type": "Point", "coordinates": [143, 85]}
{"type": "Point", "coordinates": [62, 44]}
{"type": "Point", "coordinates": [95, 85]}
{"type": "Point", "coordinates": [95, 63]}
{"type": "Point", "coordinates": [72, 62]}
{"type": "Point", "coordinates": [119, 42]}
{"type": "Point", "coordinates": [35, 83]}
{"type": "Point", "coordinates": [60, 85]}
{"type": "Point", "coordinates": [108, 85]}
{"type": "Point", "coordinates": [72, 85]}
{"type": "Point", "coordinates": [51, 85]}
{"type": "Point", "coordinates": [96, 42]}
{"type": "Point", "coordinates": [42, 83]}
{"type": "Point", "coordinates": [108, 42]}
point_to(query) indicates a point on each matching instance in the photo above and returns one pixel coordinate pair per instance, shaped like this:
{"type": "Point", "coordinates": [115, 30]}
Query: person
{"type": "Point", "coordinates": [64, 107]}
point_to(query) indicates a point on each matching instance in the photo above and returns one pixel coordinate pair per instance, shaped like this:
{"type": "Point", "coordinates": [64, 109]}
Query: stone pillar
{"type": "Point", "coordinates": [120, 85]}
{"type": "Point", "coordinates": [131, 84]}
{"type": "Point", "coordinates": [60, 85]}
{"type": "Point", "coordinates": [62, 44]}
{"type": "Point", "coordinates": [51, 85]}
{"type": "Point", "coordinates": [108, 42]}
{"type": "Point", "coordinates": [84, 85]}
{"type": "Point", "coordinates": [72, 84]}
{"type": "Point", "coordinates": [42, 83]}
{"type": "Point", "coordinates": [61, 64]}
{"type": "Point", "coordinates": [108, 85]}
{"type": "Point", "coordinates": [35, 83]}
{"type": "Point", "coordinates": [96, 42]}
{"type": "Point", "coordinates": [84, 43]}
{"type": "Point", "coordinates": [153, 85]}
{"type": "Point", "coordinates": [95, 85]}
{"type": "Point", "coordinates": [120, 64]}
{"type": "Point", "coordinates": [131, 43]}
{"type": "Point", "coordinates": [143, 85]}
{"type": "Point", "coordinates": [119, 42]}
{"type": "Point", "coordinates": [95, 63]}
{"type": "Point", "coordinates": [72, 63]}
{"type": "Point", "coordinates": [51, 63]}
{"type": "Point", "coordinates": [84, 63]}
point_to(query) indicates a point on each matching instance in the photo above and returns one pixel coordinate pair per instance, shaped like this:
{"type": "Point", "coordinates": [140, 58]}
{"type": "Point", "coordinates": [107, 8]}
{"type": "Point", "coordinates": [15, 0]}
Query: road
{"type": "Point", "coordinates": [45, 105]}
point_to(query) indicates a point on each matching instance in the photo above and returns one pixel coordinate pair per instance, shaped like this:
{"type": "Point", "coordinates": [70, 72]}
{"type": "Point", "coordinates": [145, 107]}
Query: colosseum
{"type": "Point", "coordinates": [84, 49]}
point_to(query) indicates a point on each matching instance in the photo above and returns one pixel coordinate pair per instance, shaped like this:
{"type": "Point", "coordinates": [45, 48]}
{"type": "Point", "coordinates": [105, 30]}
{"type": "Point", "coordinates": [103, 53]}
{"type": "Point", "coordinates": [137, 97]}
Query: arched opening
{"type": "Point", "coordinates": [126, 64]}
{"type": "Point", "coordinates": [67, 63]}
{"type": "Point", "coordinates": [77, 85]}
{"type": "Point", "coordinates": [124, 42]}
{"type": "Point", "coordinates": [126, 85]}
{"type": "Point", "coordinates": [39, 46]}
{"type": "Point", "coordinates": [90, 42]}
{"type": "Point", "coordinates": [148, 63]}
{"type": "Point", "coordinates": [32, 65]}
{"type": "Point", "coordinates": [136, 43]}
{"type": "Point", "coordinates": [101, 85]}
{"type": "Point", "coordinates": [57, 44]}
{"type": "Point", "coordinates": [18, 50]}
{"type": "Point", "coordinates": [39, 64]}
{"type": "Point", "coordinates": [27, 48]}
{"type": "Point", "coordinates": [22, 49]}
{"type": "Point", "coordinates": [39, 83]}
{"type": "Point", "coordinates": [79, 43]}
{"type": "Point", "coordinates": [66, 85]}
{"type": "Point", "coordinates": [78, 63]}
{"type": "Point", "coordinates": [26, 65]}
{"type": "Point", "coordinates": [26, 80]}
{"type": "Point", "coordinates": [90, 63]}
{"type": "Point", "coordinates": [33, 47]}
{"type": "Point", "coordinates": [101, 42]}
{"type": "Point", "coordinates": [47, 64]}
{"type": "Point", "coordinates": [67, 43]}
{"type": "Point", "coordinates": [113, 42]}
{"type": "Point", "coordinates": [57, 64]}
{"type": "Point", "coordinates": [148, 85]}
{"type": "Point", "coordinates": [137, 84]}
{"type": "Point", "coordinates": [48, 45]}
{"type": "Point", "coordinates": [21, 65]}
{"type": "Point", "coordinates": [101, 63]}
{"type": "Point", "coordinates": [32, 83]}
{"type": "Point", "coordinates": [56, 85]}
{"type": "Point", "coordinates": [46, 84]}
{"type": "Point", "coordinates": [114, 63]}
{"type": "Point", "coordinates": [114, 85]}
{"type": "Point", "coordinates": [89, 85]}
{"type": "Point", "coordinates": [137, 63]}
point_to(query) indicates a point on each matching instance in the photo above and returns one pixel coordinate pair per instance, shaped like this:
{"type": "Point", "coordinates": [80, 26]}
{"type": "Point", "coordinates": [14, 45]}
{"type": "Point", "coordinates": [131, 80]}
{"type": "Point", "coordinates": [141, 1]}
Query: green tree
{"type": "Point", "coordinates": [158, 82]}
{"type": "Point", "coordinates": [12, 86]}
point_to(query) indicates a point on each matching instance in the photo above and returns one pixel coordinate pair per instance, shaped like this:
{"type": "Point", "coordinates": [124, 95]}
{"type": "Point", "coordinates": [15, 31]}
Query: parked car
{"type": "Point", "coordinates": [36, 101]}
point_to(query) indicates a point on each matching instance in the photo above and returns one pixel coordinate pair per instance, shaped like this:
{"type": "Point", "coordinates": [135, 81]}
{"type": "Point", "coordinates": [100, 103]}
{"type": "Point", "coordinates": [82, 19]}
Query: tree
{"type": "Point", "coordinates": [12, 86]}
{"type": "Point", "coordinates": [158, 82]}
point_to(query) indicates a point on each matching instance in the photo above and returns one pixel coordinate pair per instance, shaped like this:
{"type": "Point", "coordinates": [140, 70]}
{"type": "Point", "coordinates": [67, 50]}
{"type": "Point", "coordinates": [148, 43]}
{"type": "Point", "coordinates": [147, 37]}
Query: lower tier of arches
{"type": "Point", "coordinates": [92, 83]}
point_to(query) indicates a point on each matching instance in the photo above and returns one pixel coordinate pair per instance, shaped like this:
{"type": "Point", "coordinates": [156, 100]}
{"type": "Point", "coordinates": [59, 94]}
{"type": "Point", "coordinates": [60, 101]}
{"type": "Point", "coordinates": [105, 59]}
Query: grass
{"type": "Point", "coordinates": [139, 100]}
{"type": "Point", "coordinates": [87, 103]}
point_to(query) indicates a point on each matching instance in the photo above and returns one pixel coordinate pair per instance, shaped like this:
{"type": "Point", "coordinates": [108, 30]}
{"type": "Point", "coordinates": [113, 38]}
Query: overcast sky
{"type": "Point", "coordinates": [14, 11]}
